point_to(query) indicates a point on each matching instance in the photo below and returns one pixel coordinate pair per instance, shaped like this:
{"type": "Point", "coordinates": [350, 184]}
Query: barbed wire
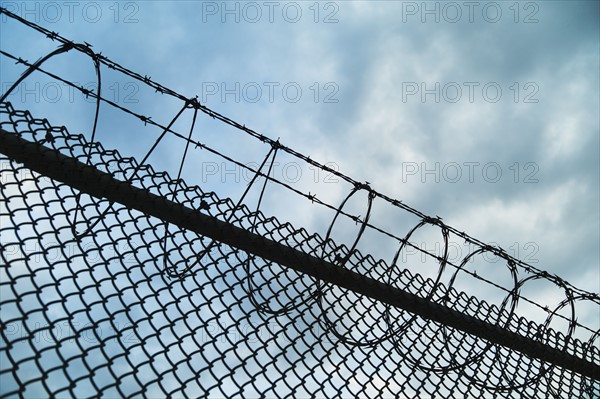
{"type": "Point", "coordinates": [404, 242]}
{"type": "Point", "coordinates": [194, 104]}
{"type": "Point", "coordinates": [325, 248]}
{"type": "Point", "coordinates": [86, 49]}
{"type": "Point", "coordinates": [509, 371]}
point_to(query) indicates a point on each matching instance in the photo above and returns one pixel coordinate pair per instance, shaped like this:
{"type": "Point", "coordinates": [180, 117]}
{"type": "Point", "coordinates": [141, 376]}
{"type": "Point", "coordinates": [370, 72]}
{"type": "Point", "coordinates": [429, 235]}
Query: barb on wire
{"type": "Point", "coordinates": [190, 315]}
{"type": "Point", "coordinates": [309, 196]}
{"type": "Point", "coordinates": [510, 376]}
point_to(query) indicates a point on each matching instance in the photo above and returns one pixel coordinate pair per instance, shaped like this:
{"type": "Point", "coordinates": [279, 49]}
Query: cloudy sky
{"type": "Point", "coordinates": [484, 113]}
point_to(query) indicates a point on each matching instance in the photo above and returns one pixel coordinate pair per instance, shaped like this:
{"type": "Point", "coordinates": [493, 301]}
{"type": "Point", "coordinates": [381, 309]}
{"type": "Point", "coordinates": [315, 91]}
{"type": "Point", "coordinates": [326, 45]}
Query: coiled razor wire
{"type": "Point", "coordinates": [103, 318]}
{"type": "Point", "coordinates": [85, 49]}
{"type": "Point", "coordinates": [103, 306]}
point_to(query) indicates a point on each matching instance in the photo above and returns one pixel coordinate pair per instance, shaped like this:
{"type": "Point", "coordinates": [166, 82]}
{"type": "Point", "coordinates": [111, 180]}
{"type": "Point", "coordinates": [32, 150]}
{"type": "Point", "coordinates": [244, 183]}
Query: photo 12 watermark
{"type": "Point", "coordinates": [287, 172]}
{"type": "Point", "coordinates": [92, 12]}
{"type": "Point", "coordinates": [469, 172]}
{"type": "Point", "coordinates": [54, 92]}
{"type": "Point", "coordinates": [457, 251]}
{"type": "Point", "coordinates": [73, 331]}
{"type": "Point", "coordinates": [472, 92]}
{"type": "Point", "coordinates": [247, 332]}
{"type": "Point", "coordinates": [254, 92]}
{"type": "Point", "coordinates": [526, 12]}
{"type": "Point", "coordinates": [253, 12]}
{"type": "Point", "coordinates": [52, 252]}
{"type": "Point", "coordinates": [13, 173]}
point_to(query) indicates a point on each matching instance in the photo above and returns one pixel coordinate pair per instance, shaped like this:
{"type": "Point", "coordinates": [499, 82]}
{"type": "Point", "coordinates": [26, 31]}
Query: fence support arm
{"type": "Point", "coordinates": [94, 182]}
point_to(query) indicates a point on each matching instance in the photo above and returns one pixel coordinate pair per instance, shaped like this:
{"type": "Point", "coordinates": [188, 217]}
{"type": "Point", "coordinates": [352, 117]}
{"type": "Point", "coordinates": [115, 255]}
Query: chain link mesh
{"type": "Point", "coordinates": [99, 316]}
{"type": "Point", "coordinates": [99, 299]}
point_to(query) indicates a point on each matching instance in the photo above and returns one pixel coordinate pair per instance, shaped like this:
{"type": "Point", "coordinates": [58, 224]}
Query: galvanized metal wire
{"type": "Point", "coordinates": [99, 299]}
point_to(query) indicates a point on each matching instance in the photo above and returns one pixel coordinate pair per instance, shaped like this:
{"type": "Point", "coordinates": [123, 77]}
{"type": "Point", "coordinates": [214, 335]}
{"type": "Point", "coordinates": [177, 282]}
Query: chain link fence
{"type": "Point", "coordinates": [118, 279]}
{"type": "Point", "coordinates": [103, 315]}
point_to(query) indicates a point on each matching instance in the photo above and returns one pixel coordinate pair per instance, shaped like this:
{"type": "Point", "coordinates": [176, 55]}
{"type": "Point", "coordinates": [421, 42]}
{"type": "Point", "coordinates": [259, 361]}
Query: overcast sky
{"type": "Point", "coordinates": [484, 113]}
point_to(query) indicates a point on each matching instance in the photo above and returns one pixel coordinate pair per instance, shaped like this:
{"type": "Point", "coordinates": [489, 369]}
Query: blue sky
{"type": "Point", "coordinates": [484, 114]}
{"type": "Point", "coordinates": [404, 102]}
